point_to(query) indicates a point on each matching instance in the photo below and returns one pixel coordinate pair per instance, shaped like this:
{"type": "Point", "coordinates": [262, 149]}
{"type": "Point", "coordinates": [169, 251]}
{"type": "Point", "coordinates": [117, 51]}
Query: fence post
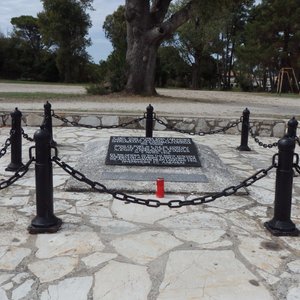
{"type": "Point", "coordinates": [149, 121]}
{"type": "Point", "coordinates": [245, 131]}
{"type": "Point", "coordinates": [48, 122]}
{"type": "Point", "coordinates": [45, 221]}
{"type": "Point", "coordinates": [292, 127]}
{"type": "Point", "coordinates": [281, 224]}
{"type": "Point", "coordinates": [16, 142]}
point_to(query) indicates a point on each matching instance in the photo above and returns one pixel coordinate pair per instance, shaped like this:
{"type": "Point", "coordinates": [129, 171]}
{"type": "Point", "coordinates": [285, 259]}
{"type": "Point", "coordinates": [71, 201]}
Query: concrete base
{"type": "Point", "coordinates": [212, 177]}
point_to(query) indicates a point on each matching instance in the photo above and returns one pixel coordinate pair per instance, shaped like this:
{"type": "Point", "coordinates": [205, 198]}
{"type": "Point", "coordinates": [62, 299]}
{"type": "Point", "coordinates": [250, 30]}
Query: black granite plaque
{"type": "Point", "coordinates": [157, 151]}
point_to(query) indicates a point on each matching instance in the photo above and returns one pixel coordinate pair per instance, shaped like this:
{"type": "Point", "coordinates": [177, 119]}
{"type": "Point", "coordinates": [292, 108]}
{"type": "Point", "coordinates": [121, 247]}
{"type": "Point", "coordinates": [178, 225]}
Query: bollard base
{"type": "Point", "coordinates": [243, 148]}
{"type": "Point", "coordinates": [278, 228]}
{"type": "Point", "coordinates": [14, 167]}
{"type": "Point", "coordinates": [36, 229]}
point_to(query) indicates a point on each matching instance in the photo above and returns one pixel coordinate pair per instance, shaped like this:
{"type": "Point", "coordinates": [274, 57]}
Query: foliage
{"type": "Point", "coordinates": [271, 40]}
{"type": "Point", "coordinates": [64, 26]}
{"type": "Point", "coordinates": [96, 89]}
{"type": "Point", "coordinates": [115, 66]}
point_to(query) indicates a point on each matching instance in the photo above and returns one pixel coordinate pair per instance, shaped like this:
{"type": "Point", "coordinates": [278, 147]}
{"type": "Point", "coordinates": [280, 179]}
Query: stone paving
{"type": "Point", "coordinates": [108, 249]}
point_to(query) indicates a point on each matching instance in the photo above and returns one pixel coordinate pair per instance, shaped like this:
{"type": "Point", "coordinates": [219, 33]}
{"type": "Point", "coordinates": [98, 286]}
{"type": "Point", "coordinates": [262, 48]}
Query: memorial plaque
{"type": "Point", "coordinates": [157, 151]}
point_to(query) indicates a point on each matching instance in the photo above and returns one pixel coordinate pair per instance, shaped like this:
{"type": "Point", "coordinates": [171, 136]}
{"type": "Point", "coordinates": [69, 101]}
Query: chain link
{"type": "Point", "coordinates": [172, 203]}
{"type": "Point", "coordinates": [25, 136]}
{"type": "Point", "coordinates": [297, 140]}
{"type": "Point", "coordinates": [200, 133]}
{"type": "Point", "coordinates": [77, 124]}
{"type": "Point", "coordinates": [20, 173]}
{"type": "Point", "coordinates": [260, 143]}
{"type": "Point", "coordinates": [7, 143]}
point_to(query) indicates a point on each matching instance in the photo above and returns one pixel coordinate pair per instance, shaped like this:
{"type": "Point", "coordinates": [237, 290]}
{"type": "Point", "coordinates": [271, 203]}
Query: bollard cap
{"type": "Point", "coordinates": [16, 113]}
{"type": "Point", "coordinates": [150, 107]}
{"type": "Point", "coordinates": [42, 135]}
{"type": "Point", "coordinates": [47, 105]}
{"type": "Point", "coordinates": [286, 144]}
{"type": "Point", "coordinates": [293, 123]}
{"type": "Point", "coordinates": [246, 111]}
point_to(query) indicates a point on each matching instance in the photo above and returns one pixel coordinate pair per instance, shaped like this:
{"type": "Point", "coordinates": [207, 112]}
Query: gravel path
{"type": "Point", "coordinates": [171, 102]}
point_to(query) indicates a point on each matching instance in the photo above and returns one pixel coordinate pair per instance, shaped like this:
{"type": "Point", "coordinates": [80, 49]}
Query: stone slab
{"type": "Point", "coordinates": [152, 151]}
{"type": "Point", "coordinates": [92, 164]}
{"type": "Point", "coordinates": [136, 176]}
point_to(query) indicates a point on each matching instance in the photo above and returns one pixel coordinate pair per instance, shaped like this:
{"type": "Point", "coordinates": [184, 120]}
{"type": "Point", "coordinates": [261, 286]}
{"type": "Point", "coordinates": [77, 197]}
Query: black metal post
{"type": "Point", "coordinates": [292, 127]}
{"type": "Point", "coordinates": [149, 121]}
{"type": "Point", "coordinates": [45, 221]}
{"type": "Point", "coordinates": [16, 142]}
{"type": "Point", "coordinates": [281, 224]}
{"type": "Point", "coordinates": [245, 131]}
{"type": "Point", "coordinates": [48, 122]}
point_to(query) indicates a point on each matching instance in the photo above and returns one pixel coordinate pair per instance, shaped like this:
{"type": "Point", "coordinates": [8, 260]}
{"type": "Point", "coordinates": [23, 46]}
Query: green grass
{"type": "Point", "coordinates": [40, 82]}
{"type": "Point", "coordinates": [37, 96]}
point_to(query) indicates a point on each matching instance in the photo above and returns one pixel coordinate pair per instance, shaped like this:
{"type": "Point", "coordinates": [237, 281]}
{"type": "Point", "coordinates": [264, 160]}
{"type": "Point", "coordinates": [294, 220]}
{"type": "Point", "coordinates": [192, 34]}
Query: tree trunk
{"type": "Point", "coordinates": [141, 62]}
{"type": "Point", "coordinates": [147, 28]}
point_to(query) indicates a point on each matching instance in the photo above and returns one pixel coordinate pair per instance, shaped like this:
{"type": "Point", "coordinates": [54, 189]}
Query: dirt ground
{"type": "Point", "coordinates": [177, 102]}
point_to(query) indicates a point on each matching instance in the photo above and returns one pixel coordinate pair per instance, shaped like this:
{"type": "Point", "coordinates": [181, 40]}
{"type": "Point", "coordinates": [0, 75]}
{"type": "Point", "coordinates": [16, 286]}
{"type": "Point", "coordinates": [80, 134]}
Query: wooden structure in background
{"type": "Point", "coordinates": [288, 77]}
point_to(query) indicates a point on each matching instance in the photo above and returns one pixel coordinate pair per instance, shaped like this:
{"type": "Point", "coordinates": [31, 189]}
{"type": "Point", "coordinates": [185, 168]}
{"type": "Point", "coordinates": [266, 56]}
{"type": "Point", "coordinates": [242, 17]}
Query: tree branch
{"type": "Point", "coordinates": [168, 27]}
{"type": "Point", "coordinates": [159, 10]}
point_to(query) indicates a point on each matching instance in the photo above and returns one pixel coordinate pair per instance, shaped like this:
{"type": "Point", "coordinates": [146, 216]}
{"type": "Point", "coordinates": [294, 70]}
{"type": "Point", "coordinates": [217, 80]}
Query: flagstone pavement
{"type": "Point", "coordinates": [107, 249]}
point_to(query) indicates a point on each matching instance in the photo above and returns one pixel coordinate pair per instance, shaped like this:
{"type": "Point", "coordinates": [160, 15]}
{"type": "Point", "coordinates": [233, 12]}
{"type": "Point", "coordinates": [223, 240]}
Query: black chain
{"type": "Point", "coordinates": [260, 143]}
{"type": "Point", "coordinates": [172, 203]}
{"type": "Point", "coordinates": [77, 124]}
{"type": "Point", "coordinates": [200, 133]}
{"type": "Point", "coordinates": [7, 143]}
{"type": "Point", "coordinates": [20, 173]}
{"type": "Point", "coordinates": [25, 136]}
{"type": "Point", "coordinates": [297, 140]}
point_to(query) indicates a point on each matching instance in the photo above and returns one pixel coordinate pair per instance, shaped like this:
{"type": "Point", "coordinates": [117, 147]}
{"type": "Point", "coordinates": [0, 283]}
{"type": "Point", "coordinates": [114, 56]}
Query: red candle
{"type": "Point", "coordinates": [160, 187]}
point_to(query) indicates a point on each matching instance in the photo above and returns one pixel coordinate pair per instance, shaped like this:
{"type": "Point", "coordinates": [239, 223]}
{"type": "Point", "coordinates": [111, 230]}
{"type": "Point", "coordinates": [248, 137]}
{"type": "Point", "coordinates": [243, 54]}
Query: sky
{"type": "Point", "coordinates": [101, 47]}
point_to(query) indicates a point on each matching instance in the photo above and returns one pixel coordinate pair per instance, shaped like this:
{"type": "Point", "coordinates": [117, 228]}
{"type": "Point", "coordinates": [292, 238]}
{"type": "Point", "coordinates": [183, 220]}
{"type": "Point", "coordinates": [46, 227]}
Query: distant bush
{"type": "Point", "coordinates": [97, 89]}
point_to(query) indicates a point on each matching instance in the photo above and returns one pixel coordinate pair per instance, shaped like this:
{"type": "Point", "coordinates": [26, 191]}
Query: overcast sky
{"type": "Point", "coordinates": [101, 47]}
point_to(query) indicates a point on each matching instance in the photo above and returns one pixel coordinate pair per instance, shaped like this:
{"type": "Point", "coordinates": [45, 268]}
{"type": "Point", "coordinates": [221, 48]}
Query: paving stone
{"type": "Point", "coordinates": [294, 266]}
{"type": "Point", "coordinates": [23, 290]}
{"type": "Point", "coordinates": [98, 258]}
{"type": "Point", "coordinates": [209, 275]}
{"type": "Point", "coordinates": [195, 220]}
{"type": "Point", "coordinates": [244, 224]}
{"type": "Point", "coordinates": [264, 254]}
{"type": "Point", "coordinates": [112, 226]}
{"type": "Point", "coordinates": [19, 278]}
{"type": "Point", "coordinates": [11, 257]}
{"type": "Point", "coordinates": [142, 214]}
{"type": "Point", "coordinates": [293, 294]}
{"type": "Point", "coordinates": [92, 211]}
{"type": "Point", "coordinates": [144, 247]}
{"type": "Point", "coordinates": [133, 282]}
{"type": "Point", "coordinates": [292, 242]}
{"type": "Point", "coordinates": [12, 238]}
{"type": "Point", "coordinates": [68, 243]}
{"type": "Point", "coordinates": [76, 288]}
{"type": "Point", "coordinates": [8, 286]}
{"type": "Point", "coordinates": [3, 295]}
{"type": "Point", "coordinates": [14, 201]}
{"type": "Point", "coordinates": [4, 277]}
{"type": "Point", "coordinates": [48, 270]}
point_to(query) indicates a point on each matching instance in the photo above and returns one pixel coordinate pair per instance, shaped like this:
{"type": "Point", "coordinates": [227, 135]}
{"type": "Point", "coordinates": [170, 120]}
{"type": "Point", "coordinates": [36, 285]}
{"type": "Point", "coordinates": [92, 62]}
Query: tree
{"type": "Point", "coordinates": [27, 29]}
{"type": "Point", "coordinates": [115, 30]}
{"type": "Point", "coordinates": [148, 25]}
{"type": "Point", "coordinates": [64, 26]}
{"type": "Point", "coordinates": [272, 39]}
{"type": "Point", "coordinates": [197, 41]}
